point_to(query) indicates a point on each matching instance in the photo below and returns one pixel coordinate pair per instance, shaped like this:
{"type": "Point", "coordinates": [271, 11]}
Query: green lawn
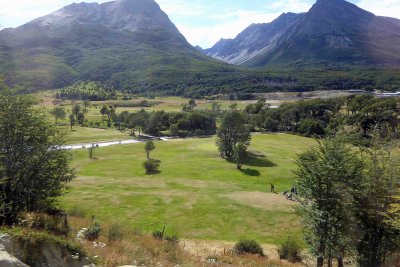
{"type": "Point", "coordinates": [197, 194]}
{"type": "Point", "coordinates": [81, 135]}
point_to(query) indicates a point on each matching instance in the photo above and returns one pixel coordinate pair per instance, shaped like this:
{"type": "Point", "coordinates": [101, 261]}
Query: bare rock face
{"type": "Point", "coordinates": [6, 260]}
{"type": "Point", "coordinates": [13, 252]}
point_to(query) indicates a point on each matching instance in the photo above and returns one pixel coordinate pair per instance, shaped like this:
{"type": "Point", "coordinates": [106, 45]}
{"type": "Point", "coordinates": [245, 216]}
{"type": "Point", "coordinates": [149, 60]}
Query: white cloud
{"type": "Point", "coordinates": [387, 8]}
{"type": "Point", "coordinates": [208, 36]}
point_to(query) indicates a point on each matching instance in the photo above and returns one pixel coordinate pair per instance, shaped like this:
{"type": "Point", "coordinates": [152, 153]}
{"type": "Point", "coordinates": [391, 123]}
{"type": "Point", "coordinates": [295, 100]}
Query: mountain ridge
{"type": "Point", "coordinates": [331, 32]}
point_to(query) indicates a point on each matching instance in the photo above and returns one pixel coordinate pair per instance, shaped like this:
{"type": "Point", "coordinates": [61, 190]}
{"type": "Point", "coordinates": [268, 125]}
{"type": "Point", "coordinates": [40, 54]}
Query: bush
{"type": "Point", "coordinates": [290, 250]}
{"type": "Point", "coordinates": [157, 234]}
{"type": "Point", "coordinates": [115, 232]}
{"type": "Point", "coordinates": [57, 225]}
{"type": "Point", "coordinates": [151, 166]}
{"type": "Point", "coordinates": [93, 232]}
{"type": "Point", "coordinates": [248, 246]}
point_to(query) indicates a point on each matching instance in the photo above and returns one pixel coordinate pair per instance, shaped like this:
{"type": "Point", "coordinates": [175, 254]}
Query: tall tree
{"type": "Point", "coordinates": [231, 132]}
{"type": "Point", "coordinates": [148, 147]}
{"type": "Point", "coordinates": [72, 121]}
{"type": "Point", "coordinates": [325, 178]}
{"type": "Point", "coordinates": [59, 113]}
{"type": "Point", "coordinates": [104, 111]}
{"type": "Point", "coordinates": [33, 168]}
{"type": "Point", "coordinates": [374, 200]}
{"type": "Point", "coordinates": [76, 110]}
{"type": "Point", "coordinates": [240, 154]}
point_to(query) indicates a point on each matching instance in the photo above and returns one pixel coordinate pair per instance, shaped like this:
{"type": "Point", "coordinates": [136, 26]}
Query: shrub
{"type": "Point", "coordinates": [115, 232]}
{"type": "Point", "coordinates": [151, 166]}
{"type": "Point", "coordinates": [248, 246]}
{"type": "Point", "coordinates": [93, 232]}
{"type": "Point", "coordinates": [290, 250]}
{"type": "Point", "coordinates": [157, 234]}
{"type": "Point", "coordinates": [57, 225]}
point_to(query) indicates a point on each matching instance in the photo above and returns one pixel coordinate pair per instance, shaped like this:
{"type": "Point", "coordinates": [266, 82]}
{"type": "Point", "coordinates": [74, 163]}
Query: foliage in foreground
{"type": "Point", "coordinates": [290, 250]}
{"type": "Point", "coordinates": [346, 198]}
{"type": "Point", "coordinates": [33, 168]}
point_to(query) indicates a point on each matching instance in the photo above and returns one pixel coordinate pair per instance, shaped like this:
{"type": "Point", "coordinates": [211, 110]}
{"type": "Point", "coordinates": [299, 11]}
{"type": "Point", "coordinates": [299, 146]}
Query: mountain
{"type": "Point", "coordinates": [331, 32]}
{"type": "Point", "coordinates": [129, 43]}
{"type": "Point", "coordinates": [254, 40]}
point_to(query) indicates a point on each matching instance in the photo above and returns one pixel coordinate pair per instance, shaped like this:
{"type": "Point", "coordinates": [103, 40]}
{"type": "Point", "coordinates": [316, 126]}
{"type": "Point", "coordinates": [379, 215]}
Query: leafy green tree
{"type": "Point", "coordinates": [59, 113]}
{"type": "Point", "coordinates": [104, 111]}
{"type": "Point", "coordinates": [33, 168]}
{"type": "Point", "coordinates": [326, 176]}
{"type": "Point", "coordinates": [148, 147]}
{"type": "Point", "coordinates": [374, 200]}
{"type": "Point", "coordinates": [72, 121]}
{"type": "Point", "coordinates": [232, 132]}
{"type": "Point", "coordinates": [240, 154]}
{"type": "Point", "coordinates": [76, 110]}
{"type": "Point", "coordinates": [80, 118]}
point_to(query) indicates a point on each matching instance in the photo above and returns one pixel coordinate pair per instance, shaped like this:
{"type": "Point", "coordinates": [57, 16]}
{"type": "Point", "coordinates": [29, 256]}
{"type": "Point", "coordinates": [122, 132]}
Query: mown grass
{"type": "Point", "coordinates": [79, 135]}
{"type": "Point", "coordinates": [194, 196]}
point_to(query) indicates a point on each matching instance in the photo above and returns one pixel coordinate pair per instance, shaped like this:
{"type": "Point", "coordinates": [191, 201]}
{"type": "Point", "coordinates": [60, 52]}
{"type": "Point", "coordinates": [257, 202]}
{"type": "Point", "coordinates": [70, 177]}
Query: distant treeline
{"type": "Point", "coordinates": [92, 91]}
{"type": "Point", "coordinates": [357, 115]}
{"type": "Point", "coordinates": [183, 124]}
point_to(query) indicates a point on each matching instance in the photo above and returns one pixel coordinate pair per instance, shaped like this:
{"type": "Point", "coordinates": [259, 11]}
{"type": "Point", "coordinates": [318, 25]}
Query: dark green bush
{"type": "Point", "coordinates": [290, 250]}
{"type": "Point", "coordinates": [248, 246]}
{"type": "Point", "coordinates": [151, 166]}
{"type": "Point", "coordinates": [93, 232]}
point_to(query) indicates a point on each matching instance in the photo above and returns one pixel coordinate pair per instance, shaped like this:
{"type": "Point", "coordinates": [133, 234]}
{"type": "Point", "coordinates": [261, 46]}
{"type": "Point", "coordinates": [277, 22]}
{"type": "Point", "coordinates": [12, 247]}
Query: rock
{"type": "Point", "coordinates": [6, 260]}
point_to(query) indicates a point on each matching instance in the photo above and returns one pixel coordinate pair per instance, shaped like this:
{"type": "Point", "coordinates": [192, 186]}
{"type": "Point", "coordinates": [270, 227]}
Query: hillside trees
{"type": "Point", "coordinates": [232, 132]}
{"type": "Point", "coordinates": [33, 168]}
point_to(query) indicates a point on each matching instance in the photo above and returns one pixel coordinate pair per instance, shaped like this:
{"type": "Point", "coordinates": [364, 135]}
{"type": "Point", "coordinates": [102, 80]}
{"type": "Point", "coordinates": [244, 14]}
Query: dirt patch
{"type": "Point", "coordinates": [204, 248]}
{"type": "Point", "coordinates": [265, 201]}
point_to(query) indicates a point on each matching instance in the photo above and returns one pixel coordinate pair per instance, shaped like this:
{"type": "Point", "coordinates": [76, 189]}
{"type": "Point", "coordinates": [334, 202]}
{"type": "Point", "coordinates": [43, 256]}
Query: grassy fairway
{"type": "Point", "coordinates": [81, 135]}
{"type": "Point", "coordinates": [197, 194]}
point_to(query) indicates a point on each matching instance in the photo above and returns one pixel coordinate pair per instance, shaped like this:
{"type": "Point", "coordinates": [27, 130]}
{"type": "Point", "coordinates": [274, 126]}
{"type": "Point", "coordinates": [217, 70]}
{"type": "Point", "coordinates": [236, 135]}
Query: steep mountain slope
{"type": "Point", "coordinates": [332, 32]}
{"type": "Point", "coordinates": [254, 40]}
{"type": "Point", "coordinates": [131, 43]}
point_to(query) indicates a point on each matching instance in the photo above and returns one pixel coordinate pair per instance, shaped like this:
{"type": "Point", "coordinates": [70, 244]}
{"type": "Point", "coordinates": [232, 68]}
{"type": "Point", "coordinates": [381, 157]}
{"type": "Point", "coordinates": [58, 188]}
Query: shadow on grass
{"type": "Point", "coordinates": [250, 172]}
{"type": "Point", "coordinates": [257, 160]}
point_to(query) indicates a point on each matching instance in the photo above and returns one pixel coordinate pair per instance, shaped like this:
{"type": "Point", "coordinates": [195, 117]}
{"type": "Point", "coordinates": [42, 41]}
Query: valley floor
{"type": "Point", "coordinates": [197, 195]}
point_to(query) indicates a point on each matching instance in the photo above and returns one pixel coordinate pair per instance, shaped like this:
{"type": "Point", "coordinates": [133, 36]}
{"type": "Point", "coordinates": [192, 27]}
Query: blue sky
{"type": "Point", "coordinates": [202, 22]}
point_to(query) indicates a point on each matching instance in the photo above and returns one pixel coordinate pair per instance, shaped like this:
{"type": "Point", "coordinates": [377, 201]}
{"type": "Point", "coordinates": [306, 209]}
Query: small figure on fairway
{"type": "Point", "coordinates": [272, 188]}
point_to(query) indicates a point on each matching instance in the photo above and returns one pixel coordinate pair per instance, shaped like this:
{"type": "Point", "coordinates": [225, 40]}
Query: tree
{"type": "Point", "coordinates": [91, 150]}
{"type": "Point", "coordinates": [72, 120]}
{"type": "Point", "coordinates": [231, 132]}
{"type": "Point", "coordinates": [326, 176]}
{"type": "Point", "coordinates": [376, 195]}
{"type": "Point", "coordinates": [149, 146]}
{"type": "Point", "coordinates": [76, 110]}
{"type": "Point", "coordinates": [104, 111]}
{"type": "Point", "coordinates": [33, 168]}
{"type": "Point", "coordinates": [240, 154]}
{"type": "Point", "coordinates": [59, 113]}
{"type": "Point", "coordinates": [86, 104]}
{"type": "Point", "coordinates": [80, 118]}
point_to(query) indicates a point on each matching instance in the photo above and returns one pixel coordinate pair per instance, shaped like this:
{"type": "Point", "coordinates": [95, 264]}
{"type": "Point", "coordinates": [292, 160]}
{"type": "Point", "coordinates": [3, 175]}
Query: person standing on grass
{"type": "Point", "coordinates": [272, 188]}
